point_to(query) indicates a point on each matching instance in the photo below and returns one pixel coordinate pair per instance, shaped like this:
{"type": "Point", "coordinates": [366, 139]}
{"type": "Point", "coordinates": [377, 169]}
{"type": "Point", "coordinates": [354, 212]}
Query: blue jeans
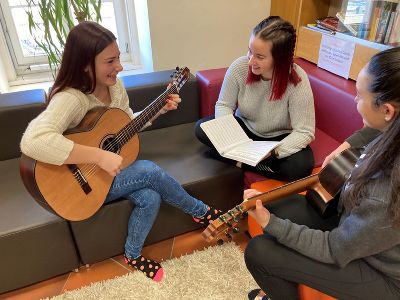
{"type": "Point", "coordinates": [146, 185]}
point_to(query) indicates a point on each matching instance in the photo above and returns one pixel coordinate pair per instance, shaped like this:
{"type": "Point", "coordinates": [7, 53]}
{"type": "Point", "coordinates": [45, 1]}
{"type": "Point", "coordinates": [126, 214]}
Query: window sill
{"type": "Point", "coordinates": [30, 86]}
{"type": "Point", "coordinates": [45, 81]}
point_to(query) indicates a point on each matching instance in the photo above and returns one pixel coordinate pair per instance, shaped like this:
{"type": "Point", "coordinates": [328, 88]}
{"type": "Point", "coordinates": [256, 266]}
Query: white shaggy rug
{"type": "Point", "coordinates": [216, 273]}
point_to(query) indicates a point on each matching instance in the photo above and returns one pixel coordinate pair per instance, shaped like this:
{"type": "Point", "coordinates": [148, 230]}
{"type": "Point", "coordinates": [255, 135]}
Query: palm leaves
{"type": "Point", "coordinates": [55, 22]}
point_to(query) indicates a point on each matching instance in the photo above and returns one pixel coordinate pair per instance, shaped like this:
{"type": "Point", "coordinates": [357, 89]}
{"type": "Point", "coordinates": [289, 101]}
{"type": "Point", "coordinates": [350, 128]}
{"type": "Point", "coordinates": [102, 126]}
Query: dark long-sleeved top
{"type": "Point", "coordinates": [362, 137]}
{"type": "Point", "coordinates": [365, 233]}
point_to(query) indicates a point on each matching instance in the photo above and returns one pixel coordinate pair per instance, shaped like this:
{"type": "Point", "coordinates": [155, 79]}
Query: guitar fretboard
{"type": "Point", "coordinates": [133, 127]}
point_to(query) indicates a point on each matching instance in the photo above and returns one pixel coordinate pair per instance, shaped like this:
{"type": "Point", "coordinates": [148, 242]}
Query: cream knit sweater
{"type": "Point", "coordinates": [293, 114]}
{"type": "Point", "coordinates": [43, 139]}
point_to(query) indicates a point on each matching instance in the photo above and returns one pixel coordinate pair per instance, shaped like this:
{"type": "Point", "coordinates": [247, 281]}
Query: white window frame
{"type": "Point", "coordinates": [28, 72]}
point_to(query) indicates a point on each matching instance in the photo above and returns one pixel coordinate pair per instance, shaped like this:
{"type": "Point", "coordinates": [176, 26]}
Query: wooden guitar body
{"type": "Point", "coordinates": [77, 192]}
{"type": "Point", "coordinates": [323, 195]}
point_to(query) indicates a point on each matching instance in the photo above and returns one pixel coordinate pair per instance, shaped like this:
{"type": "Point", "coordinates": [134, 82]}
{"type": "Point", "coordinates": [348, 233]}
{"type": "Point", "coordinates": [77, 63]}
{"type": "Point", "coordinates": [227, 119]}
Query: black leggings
{"type": "Point", "coordinates": [278, 269]}
{"type": "Point", "coordinates": [293, 167]}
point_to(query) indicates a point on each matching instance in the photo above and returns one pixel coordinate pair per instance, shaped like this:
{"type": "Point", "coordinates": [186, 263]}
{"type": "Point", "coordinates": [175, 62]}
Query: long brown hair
{"type": "Point", "coordinates": [84, 42]}
{"type": "Point", "coordinates": [283, 37]}
{"type": "Point", "coordinates": [384, 154]}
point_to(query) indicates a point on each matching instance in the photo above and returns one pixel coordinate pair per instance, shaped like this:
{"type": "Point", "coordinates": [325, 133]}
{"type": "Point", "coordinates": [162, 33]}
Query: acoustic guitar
{"type": "Point", "coordinates": [76, 191]}
{"type": "Point", "coordinates": [321, 190]}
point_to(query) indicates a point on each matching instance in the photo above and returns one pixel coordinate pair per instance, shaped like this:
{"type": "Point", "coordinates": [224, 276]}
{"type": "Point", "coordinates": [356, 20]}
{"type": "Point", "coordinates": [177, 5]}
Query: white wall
{"type": "Point", "coordinates": [202, 34]}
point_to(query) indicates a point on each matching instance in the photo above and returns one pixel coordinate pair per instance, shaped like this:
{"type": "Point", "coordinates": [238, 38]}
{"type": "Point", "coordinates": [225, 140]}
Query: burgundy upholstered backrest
{"type": "Point", "coordinates": [335, 109]}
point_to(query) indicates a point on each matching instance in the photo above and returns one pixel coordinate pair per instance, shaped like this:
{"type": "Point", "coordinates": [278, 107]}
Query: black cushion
{"type": "Point", "coordinates": [35, 245]}
{"type": "Point", "coordinates": [16, 111]}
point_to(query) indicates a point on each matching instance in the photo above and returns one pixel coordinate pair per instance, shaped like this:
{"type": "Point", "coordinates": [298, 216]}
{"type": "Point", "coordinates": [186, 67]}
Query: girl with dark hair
{"type": "Point", "coordinates": [272, 100]}
{"type": "Point", "coordinates": [358, 257]}
{"type": "Point", "coordinates": [88, 79]}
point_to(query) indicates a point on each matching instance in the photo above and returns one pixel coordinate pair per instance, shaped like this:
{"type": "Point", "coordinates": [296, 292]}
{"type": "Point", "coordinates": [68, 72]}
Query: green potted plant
{"type": "Point", "coordinates": [50, 30]}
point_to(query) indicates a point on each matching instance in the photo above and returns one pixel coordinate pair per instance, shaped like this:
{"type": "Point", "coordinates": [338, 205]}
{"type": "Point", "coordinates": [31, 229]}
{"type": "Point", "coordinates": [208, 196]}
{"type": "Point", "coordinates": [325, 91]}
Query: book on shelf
{"type": "Point", "coordinates": [377, 10]}
{"type": "Point", "coordinates": [389, 27]}
{"type": "Point", "coordinates": [319, 28]}
{"type": "Point", "coordinates": [331, 23]}
{"type": "Point", "coordinates": [394, 37]}
{"type": "Point", "coordinates": [382, 27]}
{"type": "Point", "coordinates": [232, 142]}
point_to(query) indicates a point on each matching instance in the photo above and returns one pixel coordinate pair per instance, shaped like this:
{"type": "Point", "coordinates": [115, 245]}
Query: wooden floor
{"type": "Point", "coordinates": [110, 268]}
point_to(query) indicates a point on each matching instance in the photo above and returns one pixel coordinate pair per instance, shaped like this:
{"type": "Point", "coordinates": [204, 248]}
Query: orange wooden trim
{"type": "Point", "coordinates": [307, 293]}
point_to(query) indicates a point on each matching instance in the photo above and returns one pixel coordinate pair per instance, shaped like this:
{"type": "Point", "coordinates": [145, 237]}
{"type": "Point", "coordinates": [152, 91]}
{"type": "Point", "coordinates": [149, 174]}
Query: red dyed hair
{"type": "Point", "coordinates": [283, 37]}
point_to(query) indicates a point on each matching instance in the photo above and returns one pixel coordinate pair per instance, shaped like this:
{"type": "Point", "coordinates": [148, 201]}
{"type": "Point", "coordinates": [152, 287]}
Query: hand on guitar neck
{"type": "Point", "coordinates": [260, 214]}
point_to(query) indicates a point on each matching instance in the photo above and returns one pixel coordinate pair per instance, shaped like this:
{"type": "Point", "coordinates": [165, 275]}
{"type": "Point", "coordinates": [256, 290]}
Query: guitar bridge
{"type": "Point", "coordinates": [80, 178]}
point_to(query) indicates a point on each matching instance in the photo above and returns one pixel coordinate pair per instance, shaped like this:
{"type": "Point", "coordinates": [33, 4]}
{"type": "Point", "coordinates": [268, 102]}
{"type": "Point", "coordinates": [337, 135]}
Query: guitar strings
{"type": "Point", "coordinates": [129, 130]}
{"type": "Point", "coordinates": [124, 135]}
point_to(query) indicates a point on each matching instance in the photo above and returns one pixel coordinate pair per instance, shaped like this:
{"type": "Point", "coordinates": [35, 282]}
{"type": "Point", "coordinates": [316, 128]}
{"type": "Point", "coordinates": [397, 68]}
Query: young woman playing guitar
{"type": "Point", "coordinates": [357, 254]}
{"type": "Point", "coordinates": [87, 79]}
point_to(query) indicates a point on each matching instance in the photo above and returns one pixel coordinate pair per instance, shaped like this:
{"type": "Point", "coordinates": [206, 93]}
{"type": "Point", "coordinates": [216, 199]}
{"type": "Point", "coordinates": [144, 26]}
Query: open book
{"type": "Point", "coordinates": [232, 142]}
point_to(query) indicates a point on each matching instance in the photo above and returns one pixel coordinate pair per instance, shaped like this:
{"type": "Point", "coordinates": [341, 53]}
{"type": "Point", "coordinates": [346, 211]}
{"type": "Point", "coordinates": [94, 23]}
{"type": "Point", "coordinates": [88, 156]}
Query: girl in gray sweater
{"type": "Point", "coordinates": [359, 256]}
{"type": "Point", "coordinates": [271, 99]}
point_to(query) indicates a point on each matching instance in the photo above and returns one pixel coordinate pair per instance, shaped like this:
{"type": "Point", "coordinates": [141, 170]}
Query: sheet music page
{"type": "Point", "coordinates": [231, 141]}
{"type": "Point", "coordinates": [252, 152]}
{"type": "Point", "coordinates": [225, 133]}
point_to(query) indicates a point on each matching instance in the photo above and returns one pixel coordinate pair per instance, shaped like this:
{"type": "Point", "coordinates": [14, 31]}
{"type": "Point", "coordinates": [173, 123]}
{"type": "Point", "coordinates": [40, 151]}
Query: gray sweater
{"type": "Point", "coordinates": [293, 114]}
{"type": "Point", "coordinates": [363, 233]}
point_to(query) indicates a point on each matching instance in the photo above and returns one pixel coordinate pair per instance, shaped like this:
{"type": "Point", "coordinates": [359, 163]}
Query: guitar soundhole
{"type": "Point", "coordinates": [111, 144]}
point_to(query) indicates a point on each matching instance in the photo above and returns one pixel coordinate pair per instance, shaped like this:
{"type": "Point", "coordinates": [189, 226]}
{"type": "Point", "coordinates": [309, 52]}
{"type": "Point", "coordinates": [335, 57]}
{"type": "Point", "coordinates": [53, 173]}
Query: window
{"type": "Point", "coordinates": [27, 58]}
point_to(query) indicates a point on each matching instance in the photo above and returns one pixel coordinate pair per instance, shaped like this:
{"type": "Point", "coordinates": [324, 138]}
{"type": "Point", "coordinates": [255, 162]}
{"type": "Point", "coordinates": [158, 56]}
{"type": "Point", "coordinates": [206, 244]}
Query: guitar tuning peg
{"type": "Point", "coordinates": [220, 242]}
{"type": "Point", "coordinates": [244, 215]}
{"type": "Point", "coordinates": [236, 229]}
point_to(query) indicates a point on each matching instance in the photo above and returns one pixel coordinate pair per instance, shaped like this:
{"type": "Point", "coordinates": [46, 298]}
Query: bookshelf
{"type": "Point", "coordinates": [377, 21]}
{"type": "Point", "coordinates": [303, 12]}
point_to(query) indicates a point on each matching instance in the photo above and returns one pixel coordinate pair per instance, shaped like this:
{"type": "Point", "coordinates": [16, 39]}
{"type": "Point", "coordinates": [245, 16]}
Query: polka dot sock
{"type": "Point", "coordinates": [148, 267]}
{"type": "Point", "coordinates": [211, 214]}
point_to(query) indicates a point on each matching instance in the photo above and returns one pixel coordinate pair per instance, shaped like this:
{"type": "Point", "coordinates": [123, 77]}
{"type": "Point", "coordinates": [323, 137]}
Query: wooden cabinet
{"type": "Point", "coordinates": [303, 12]}
{"type": "Point", "coordinates": [308, 44]}
{"type": "Point", "coordinates": [300, 12]}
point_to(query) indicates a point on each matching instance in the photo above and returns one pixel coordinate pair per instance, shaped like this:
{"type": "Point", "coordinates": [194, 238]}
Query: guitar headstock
{"type": "Point", "coordinates": [180, 77]}
{"type": "Point", "coordinates": [222, 227]}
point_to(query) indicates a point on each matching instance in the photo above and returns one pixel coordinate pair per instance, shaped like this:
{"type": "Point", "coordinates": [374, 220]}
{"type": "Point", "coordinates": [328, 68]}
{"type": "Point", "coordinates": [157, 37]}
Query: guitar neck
{"type": "Point", "coordinates": [145, 116]}
{"type": "Point", "coordinates": [282, 191]}
{"type": "Point", "coordinates": [326, 184]}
